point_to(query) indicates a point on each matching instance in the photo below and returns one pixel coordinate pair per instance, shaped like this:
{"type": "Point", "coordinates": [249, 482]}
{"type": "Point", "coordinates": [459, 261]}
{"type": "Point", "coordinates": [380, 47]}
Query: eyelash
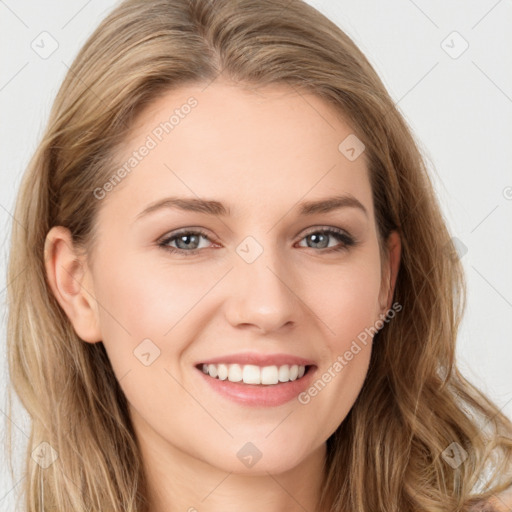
{"type": "Point", "coordinates": [347, 240]}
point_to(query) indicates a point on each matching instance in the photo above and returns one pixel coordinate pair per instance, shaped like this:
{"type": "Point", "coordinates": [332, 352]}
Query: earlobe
{"type": "Point", "coordinates": [67, 277]}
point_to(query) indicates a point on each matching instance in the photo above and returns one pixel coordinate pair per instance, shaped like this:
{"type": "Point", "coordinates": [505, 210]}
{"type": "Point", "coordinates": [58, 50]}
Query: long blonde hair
{"type": "Point", "coordinates": [389, 452]}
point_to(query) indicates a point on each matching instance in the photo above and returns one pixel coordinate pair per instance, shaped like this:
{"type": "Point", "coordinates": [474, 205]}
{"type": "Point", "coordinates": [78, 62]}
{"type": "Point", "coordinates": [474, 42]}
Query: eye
{"type": "Point", "coordinates": [320, 239]}
{"type": "Point", "coordinates": [187, 242]}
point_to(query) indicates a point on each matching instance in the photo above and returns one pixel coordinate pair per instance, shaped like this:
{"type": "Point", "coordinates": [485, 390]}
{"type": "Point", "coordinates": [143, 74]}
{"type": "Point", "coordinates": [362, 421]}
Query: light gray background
{"type": "Point", "coordinates": [460, 110]}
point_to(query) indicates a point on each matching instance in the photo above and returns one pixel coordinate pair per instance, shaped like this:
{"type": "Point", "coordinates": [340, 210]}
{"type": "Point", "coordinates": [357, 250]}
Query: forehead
{"type": "Point", "coordinates": [241, 145]}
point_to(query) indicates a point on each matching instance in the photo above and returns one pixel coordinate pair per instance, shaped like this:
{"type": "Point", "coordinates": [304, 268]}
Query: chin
{"type": "Point", "coordinates": [254, 459]}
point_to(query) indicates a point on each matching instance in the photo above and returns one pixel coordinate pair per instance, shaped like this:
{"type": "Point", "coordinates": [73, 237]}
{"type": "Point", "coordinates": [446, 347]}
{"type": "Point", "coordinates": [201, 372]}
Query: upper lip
{"type": "Point", "coordinates": [259, 359]}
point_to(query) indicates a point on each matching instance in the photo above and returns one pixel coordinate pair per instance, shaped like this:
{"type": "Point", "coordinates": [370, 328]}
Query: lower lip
{"type": "Point", "coordinates": [260, 395]}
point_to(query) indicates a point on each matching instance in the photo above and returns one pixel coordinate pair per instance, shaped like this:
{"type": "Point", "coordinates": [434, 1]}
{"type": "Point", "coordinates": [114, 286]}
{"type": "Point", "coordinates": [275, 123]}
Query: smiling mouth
{"type": "Point", "coordinates": [255, 375]}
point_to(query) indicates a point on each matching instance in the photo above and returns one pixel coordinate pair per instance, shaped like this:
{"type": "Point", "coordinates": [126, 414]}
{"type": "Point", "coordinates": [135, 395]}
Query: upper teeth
{"type": "Point", "coordinates": [252, 374]}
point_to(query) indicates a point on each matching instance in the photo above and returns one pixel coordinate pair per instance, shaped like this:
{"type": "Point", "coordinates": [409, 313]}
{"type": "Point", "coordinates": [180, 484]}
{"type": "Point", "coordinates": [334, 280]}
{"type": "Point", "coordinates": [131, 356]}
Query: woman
{"type": "Point", "coordinates": [242, 289]}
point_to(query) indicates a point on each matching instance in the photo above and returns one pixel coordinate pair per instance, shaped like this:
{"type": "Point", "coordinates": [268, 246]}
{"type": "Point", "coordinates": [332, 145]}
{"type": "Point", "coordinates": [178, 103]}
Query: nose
{"type": "Point", "coordinates": [263, 295]}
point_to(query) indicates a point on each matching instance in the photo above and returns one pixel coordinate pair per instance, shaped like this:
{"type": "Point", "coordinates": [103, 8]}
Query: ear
{"type": "Point", "coordinates": [390, 266]}
{"type": "Point", "coordinates": [71, 283]}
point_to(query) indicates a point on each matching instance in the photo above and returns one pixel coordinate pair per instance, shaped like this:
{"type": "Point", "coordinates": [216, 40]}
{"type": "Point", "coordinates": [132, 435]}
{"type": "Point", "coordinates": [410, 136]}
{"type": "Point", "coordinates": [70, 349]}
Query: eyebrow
{"type": "Point", "coordinates": [216, 208]}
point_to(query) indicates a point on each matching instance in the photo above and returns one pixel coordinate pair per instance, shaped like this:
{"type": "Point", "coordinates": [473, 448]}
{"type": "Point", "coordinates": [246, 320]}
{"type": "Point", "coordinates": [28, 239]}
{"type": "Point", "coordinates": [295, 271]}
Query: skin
{"type": "Point", "coordinates": [260, 152]}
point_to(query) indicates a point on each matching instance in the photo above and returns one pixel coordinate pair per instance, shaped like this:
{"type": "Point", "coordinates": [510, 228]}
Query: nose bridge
{"type": "Point", "coordinates": [262, 293]}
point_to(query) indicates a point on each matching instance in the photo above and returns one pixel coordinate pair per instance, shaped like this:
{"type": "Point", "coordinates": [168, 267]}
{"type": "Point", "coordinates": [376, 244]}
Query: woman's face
{"type": "Point", "coordinates": [261, 280]}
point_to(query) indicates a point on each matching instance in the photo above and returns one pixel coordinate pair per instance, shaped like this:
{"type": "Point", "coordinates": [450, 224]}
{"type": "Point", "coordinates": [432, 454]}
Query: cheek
{"type": "Point", "coordinates": [148, 315]}
{"type": "Point", "coordinates": [347, 305]}
{"type": "Point", "coordinates": [346, 298]}
{"type": "Point", "coordinates": [148, 299]}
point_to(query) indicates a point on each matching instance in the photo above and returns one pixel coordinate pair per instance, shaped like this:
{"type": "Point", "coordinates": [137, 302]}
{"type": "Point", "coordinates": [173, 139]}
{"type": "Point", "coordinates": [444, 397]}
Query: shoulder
{"type": "Point", "coordinates": [497, 503]}
{"type": "Point", "coordinates": [502, 502]}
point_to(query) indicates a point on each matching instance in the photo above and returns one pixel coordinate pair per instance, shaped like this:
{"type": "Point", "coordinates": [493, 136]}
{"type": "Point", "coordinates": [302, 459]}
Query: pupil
{"type": "Point", "coordinates": [184, 237]}
{"type": "Point", "coordinates": [315, 239]}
